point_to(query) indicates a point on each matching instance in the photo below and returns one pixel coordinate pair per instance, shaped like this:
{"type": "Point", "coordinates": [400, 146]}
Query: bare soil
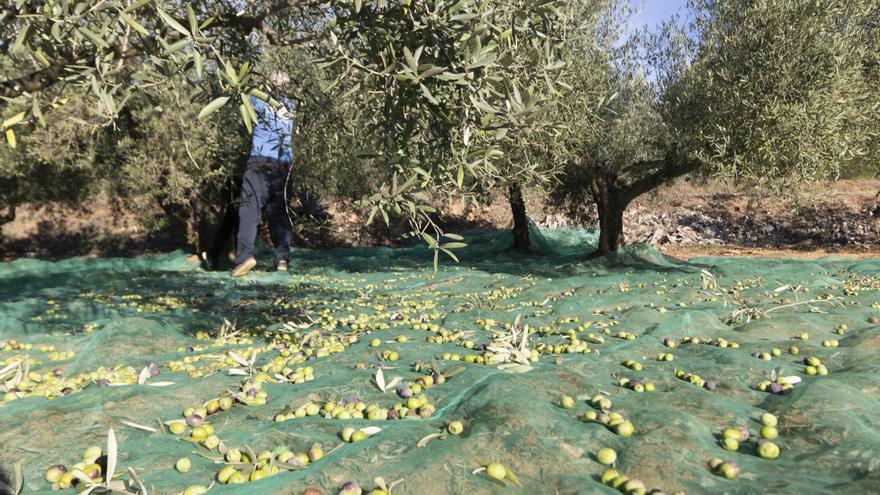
{"type": "Point", "coordinates": [689, 218]}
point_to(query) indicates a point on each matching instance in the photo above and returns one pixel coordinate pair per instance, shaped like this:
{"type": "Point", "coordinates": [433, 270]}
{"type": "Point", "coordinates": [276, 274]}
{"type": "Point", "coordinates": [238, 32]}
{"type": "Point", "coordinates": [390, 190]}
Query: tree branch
{"type": "Point", "coordinates": [674, 165]}
{"type": "Point", "coordinates": [37, 80]}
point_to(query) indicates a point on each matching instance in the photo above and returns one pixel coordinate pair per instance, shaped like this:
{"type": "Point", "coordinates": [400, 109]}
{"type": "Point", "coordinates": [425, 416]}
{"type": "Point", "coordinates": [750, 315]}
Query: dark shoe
{"type": "Point", "coordinates": [244, 267]}
{"type": "Point", "coordinates": [209, 263]}
{"type": "Point", "coordinates": [281, 266]}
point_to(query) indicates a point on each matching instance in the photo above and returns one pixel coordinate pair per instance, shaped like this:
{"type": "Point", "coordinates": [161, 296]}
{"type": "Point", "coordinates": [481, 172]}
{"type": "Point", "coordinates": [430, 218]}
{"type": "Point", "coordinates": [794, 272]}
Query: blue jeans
{"type": "Point", "coordinates": [263, 190]}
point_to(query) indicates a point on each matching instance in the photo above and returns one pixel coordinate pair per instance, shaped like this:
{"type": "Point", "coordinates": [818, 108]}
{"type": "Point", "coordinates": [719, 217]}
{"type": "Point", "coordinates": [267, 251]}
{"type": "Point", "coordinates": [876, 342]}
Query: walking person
{"type": "Point", "coordinates": [265, 188]}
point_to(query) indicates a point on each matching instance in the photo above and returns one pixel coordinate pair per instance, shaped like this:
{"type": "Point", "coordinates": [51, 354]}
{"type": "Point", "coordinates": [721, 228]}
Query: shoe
{"type": "Point", "coordinates": [244, 267]}
{"type": "Point", "coordinates": [281, 266]}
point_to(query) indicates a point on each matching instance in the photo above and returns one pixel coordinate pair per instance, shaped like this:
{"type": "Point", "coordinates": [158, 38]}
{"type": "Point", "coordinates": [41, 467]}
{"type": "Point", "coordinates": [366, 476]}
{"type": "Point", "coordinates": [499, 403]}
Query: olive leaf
{"type": "Point", "coordinates": [143, 375]}
{"type": "Point", "coordinates": [111, 454]}
{"type": "Point", "coordinates": [134, 477]}
{"type": "Point", "coordinates": [240, 360]}
{"type": "Point", "coordinates": [371, 430]}
{"type": "Point", "coordinates": [427, 438]}
{"type": "Point", "coordinates": [213, 106]}
{"type": "Point", "coordinates": [139, 427]}
{"type": "Point", "coordinates": [380, 379]}
{"type": "Point", "coordinates": [18, 472]}
{"type": "Point", "coordinates": [10, 138]}
{"type": "Point", "coordinates": [11, 121]}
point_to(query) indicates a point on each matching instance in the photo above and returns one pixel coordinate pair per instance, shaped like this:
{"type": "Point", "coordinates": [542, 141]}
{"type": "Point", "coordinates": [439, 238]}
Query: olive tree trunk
{"type": "Point", "coordinates": [520, 231]}
{"type": "Point", "coordinates": [614, 190]}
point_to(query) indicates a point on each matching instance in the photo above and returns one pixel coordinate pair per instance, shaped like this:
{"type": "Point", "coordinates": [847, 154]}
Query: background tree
{"type": "Point", "coordinates": [764, 91]}
{"type": "Point", "coordinates": [438, 69]}
{"type": "Point", "coordinates": [783, 91]}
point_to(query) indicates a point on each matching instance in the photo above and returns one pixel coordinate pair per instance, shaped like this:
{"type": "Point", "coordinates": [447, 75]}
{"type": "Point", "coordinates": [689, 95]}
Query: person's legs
{"type": "Point", "coordinates": [254, 193]}
{"type": "Point", "coordinates": [280, 228]}
{"type": "Point", "coordinates": [226, 230]}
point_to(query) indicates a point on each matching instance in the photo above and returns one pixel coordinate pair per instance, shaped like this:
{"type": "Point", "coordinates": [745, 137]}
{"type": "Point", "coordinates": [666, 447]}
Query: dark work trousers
{"type": "Point", "coordinates": [263, 190]}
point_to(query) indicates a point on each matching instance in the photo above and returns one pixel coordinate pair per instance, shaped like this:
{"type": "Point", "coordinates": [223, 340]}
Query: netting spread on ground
{"type": "Point", "coordinates": [118, 313]}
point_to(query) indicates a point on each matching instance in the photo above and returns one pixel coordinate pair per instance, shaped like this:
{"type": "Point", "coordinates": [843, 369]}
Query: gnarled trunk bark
{"type": "Point", "coordinates": [611, 236]}
{"type": "Point", "coordinates": [613, 190]}
{"type": "Point", "coordinates": [520, 231]}
{"type": "Point", "coordinates": [611, 201]}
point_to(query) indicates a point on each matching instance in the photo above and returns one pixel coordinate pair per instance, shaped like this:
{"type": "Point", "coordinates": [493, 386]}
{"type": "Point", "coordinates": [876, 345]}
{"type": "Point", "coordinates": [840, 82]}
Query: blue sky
{"type": "Point", "coordinates": [653, 12]}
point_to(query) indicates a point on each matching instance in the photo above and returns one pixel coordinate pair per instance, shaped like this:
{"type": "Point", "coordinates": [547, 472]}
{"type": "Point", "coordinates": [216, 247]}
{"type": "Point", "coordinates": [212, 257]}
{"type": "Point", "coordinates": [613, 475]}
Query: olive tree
{"type": "Point", "coordinates": [783, 91]}
{"type": "Point", "coordinates": [767, 91]}
{"type": "Point", "coordinates": [438, 69]}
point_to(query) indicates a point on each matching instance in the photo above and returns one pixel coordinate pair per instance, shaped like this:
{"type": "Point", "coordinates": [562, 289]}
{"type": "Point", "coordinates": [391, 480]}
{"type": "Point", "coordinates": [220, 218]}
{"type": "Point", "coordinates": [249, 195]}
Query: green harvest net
{"type": "Point", "coordinates": [119, 313]}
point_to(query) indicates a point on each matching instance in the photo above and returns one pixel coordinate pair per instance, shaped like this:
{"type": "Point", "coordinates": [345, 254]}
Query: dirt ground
{"type": "Point", "coordinates": [689, 218]}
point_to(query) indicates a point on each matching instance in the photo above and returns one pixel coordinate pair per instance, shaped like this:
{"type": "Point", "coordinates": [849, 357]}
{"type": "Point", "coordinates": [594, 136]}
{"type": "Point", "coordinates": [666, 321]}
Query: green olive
{"type": "Point", "coordinates": [225, 473]}
{"type": "Point", "coordinates": [455, 428]}
{"type": "Point", "coordinates": [496, 471]}
{"type": "Point", "coordinates": [624, 429]}
{"type": "Point", "coordinates": [195, 490]}
{"type": "Point", "coordinates": [606, 456]}
{"type": "Point", "coordinates": [769, 432]}
{"type": "Point", "coordinates": [177, 427]}
{"type": "Point", "coordinates": [768, 450]}
{"type": "Point", "coordinates": [768, 419]}
{"type": "Point", "coordinates": [566, 402]}
{"type": "Point", "coordinates": [54, 473]}
{"type": "Point", "coordinates": [183, 465]}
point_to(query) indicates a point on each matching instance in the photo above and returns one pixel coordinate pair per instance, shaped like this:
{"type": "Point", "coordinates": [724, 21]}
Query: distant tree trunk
{"type": "Point", "coordinates": [611, 202]}
{"type": "Point", "coordinates": [520, 231]}
{"type": "Point", "coordinates": [613, 192]}
{"type": "Point", "coordinates": [9, 216]}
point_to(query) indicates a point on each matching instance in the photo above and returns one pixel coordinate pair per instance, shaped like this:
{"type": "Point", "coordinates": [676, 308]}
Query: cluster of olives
{"type": "Point", "coordinates": [832, 343]}
{"type": "Point", "coordinates": [695, 379]}
{"type": "Point", "coordinates": [91, 468]}
{"type": "Point", "coordinates": [717, 342]}
{"type": "Point", "coordinates": [486, 359]}
{"type": "Point", "coordinates": [350, 488]}
{"type": "Point", "coordinates": [727, 469]}
{"type": "Point", "coordinates": [574, 346]}
{"type": "Point", "coordinates": [814, 366]}
{"type": "Point", "coordinates": [614, 421]}
{"type": "Point", "coordinates": [353, 435]}
{"type": "Point", "coordinates": [625, 335]}
{"type": "Point", "coordinates": [665, 356]}
{"type": "Point", "coordinates": [632, 364]}
{"type": "Point", "coordinates": [629, 486]}
{"type": "Point", "coordinates": [389, 355]}
{"type": "Point", "coordinates": [52, 384]}
{"type": "Point", "coordinates": [732, 438]}
{"type": "Point", "coordinates": [778, 386]}
{"type": "Point", "coordinates": [241, 468]}
{"type": "Point", "coordinates": [636, 385]}
{"type": "Point", "coordinates": [444, 336]}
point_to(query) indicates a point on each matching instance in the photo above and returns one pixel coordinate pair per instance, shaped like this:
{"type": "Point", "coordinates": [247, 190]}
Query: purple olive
{"type": "Point", "coordinates": [710, 385]}
{"type": "Point", "coordinates": [775, 388]}
{"type": "Point", "coordinates": [194, 420]}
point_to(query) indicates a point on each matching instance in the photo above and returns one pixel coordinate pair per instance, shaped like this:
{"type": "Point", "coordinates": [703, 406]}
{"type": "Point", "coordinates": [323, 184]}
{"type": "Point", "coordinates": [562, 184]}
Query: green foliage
{"type": "Point", "coordinates": [456, 85]}
{"type": "Point", "coordinates": [444, 84]}
{"type": "Point", "coordinates": [781, 91]}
